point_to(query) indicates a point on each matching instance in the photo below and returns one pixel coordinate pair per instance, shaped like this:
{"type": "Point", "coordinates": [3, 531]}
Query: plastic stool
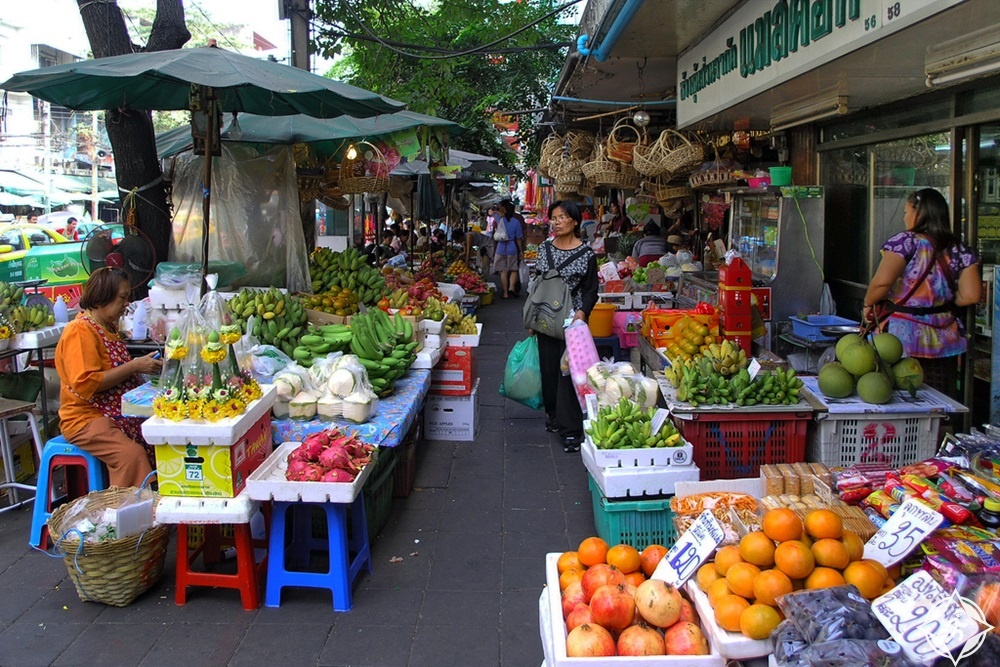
{"type": "Point", "coordinates": [613, 343]}
{"type": "Point", "coordinates": [343, 569]}
{"type": "Point", "coordinates": [58, 452]}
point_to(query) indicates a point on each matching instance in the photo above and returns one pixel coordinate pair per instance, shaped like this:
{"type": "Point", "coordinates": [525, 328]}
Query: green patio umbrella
{"type": "Point", "coordinates": [215, 79]}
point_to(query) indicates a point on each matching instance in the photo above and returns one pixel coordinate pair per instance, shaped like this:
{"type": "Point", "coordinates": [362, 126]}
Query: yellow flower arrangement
{"type": "Point", "coordinates": [176, 352]}
{"type": "Point", "coordinates": [213, 411]}
{"type": "Point", "coordinates": [213, 355]}
{"type": "Point", "coordinates": [235, 406]}
{"type": "Point", "coordinates": [196, 409]}
{"type": "Point", "coordinates": [5, 332]}
{"type": "Point", "coordinates": [229, 334]}
{"type": "Point", "coordinates": [251, 390]}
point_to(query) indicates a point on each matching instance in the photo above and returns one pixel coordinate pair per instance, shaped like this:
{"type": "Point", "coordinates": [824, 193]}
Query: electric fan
{"type": "Point", "coordinates": [122, 246]}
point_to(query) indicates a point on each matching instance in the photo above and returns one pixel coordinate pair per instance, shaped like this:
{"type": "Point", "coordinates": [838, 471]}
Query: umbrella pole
{"type": "Point", "coordinates": [206, 204]}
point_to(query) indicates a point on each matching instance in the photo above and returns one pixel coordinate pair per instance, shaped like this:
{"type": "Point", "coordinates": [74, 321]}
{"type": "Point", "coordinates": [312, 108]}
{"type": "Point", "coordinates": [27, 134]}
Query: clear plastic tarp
{"type": "Point", "coordinates": [255, 215]}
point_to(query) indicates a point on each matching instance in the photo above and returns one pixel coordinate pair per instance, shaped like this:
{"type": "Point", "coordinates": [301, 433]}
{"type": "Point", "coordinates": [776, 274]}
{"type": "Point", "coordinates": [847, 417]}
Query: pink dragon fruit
{"type": "Point", "coordinates": [337, 475]}
{"type": "Point", "coordinates": [313, 473]}
{"type": "Point", "coordinates": [296, 467]}
{"type": "Point", "coordinates": [312, 448]}
{"type": "Point", "coordinates": [334, 457]}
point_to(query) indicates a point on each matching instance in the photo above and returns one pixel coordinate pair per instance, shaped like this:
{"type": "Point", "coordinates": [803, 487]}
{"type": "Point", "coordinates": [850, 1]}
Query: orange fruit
{"type": "Point", "coordinates": [725, 557]}
{"type": "Point", "coordinates": [878, 567]}
{"type": "Point", "coordinates": [592, 551]}
{"type": "Point", "coordinates": [782, 524]}
{"type": "Point", "coordinates": [886, 589]}
{"type": "Point", "coordinates": [635, 578]}
{"type": "Point", "coordinates": [757, 621]}
{"type": "Point", "coordinates": [717, 590]}
{"type": "Point", "coordinates": [624, 557]}
{"type": "Point", "coordinates": [829, 552]}
{"type": "Point", "coordinates": [865, 577]}
{"type": "Point", "coordinates": [757, 548]}
{"type": "Point", "coordinates": [706, 575]}
{"type": "Point", "coordinates": [824, 523]}
{"type": "Point", "coordinates": [741, 577]}
{"type": "Point", "coordinates": [651, 557]}
{"type": "Point", "coordinates": [794, 559]}
{"type": "Point", "coordinates": [770, 585]}
{"type": "Point", "coordinates": [569, 576]}
{"type": "Point", "coordinates": [855, 547]}
{"type": "Point", "coordinates": [806, 540]}
{"type": "Point", "coordinates": [568, 561]}
{"type": "Point", "coordinates": [895, 572]}
{"type": "Point", "coordinates": [824, 577]}
{"type": "Point", "coordinates": [728, 611]}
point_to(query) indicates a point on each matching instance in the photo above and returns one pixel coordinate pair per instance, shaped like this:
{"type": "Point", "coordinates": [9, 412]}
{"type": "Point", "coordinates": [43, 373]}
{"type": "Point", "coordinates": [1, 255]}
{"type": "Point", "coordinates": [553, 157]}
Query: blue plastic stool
{"type": "Point", "coordinates": [58, 452]}
{"type": "Point", "coordinates": [613, 343]}
{"type": "Point", "coordinates": [348, 555]}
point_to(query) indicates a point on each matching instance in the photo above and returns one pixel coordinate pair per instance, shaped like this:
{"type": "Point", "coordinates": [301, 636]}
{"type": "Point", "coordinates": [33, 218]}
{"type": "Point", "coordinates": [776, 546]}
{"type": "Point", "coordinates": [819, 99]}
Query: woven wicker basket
{"type": "Point", "coordinates": [353, 180]}
{"type": "Point", "coordinates": [666, 194]}
{"type": "Point", "coordinates": [552, 146]}
{"type": "Point", "coordinates": [714, 176]}
{"type": "Point", "coordinates": [579, 144]}
{"type": "Point", "coordinates": [115, 572]}
{"type": "Point", "coordinates": [621, 150]}
{"type": "Point", "coordinates": [564, 167]}
{"type": "Point", "coordinates": [684, 155]}
{"type": "Point", "coordinates": [310, 182]}
{"type": "Point", "coordinates": [600, 168]}
{"type": "Point", "coordinates": [651, 160]}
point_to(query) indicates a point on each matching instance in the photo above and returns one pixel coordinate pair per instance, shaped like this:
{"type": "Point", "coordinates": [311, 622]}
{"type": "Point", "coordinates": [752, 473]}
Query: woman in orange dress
{"type": "Point", "coordinates": [95, 370]}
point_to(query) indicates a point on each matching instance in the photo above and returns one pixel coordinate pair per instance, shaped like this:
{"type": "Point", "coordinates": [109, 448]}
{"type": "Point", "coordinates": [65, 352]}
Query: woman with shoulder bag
{"type": "Point", "coordinates": [925, 276]}
{"type": "Point", "coordinates": [577, 266]}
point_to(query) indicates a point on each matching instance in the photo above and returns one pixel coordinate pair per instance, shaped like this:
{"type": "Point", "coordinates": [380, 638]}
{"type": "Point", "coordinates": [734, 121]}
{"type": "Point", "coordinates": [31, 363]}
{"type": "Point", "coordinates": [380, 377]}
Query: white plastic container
{"type": "Point", "coordinates": [60, 311]}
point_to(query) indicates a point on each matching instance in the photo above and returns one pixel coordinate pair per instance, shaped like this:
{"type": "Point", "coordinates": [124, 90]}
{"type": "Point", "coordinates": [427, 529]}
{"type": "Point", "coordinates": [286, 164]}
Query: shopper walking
{"type": "Point", "coordinates": [508, 239]}
{"type": "Point", "coordinates": [577, 265]}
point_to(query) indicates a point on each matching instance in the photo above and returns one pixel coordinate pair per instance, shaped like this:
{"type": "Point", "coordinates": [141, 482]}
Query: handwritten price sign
{"type": "Point", "coordinates": [907, 528]}
{"type": "Point", "coordinates": [690, 551]}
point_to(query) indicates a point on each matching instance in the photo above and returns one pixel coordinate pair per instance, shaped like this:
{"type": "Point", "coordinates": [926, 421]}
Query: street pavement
{"type": "Point", "coordinates": [457, 570]}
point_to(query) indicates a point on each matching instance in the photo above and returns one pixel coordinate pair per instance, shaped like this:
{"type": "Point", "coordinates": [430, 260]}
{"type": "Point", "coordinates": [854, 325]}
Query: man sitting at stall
{"type": "Point", "coordinates": [651, 246]}
{"type": "Point", "coordinates": [483, 243]}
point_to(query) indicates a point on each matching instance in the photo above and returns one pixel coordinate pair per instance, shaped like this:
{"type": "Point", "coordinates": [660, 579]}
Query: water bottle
{"type": "Point", "coordinates": [139, 331]}
{"type": "Point", "coordinates": [59, 311]}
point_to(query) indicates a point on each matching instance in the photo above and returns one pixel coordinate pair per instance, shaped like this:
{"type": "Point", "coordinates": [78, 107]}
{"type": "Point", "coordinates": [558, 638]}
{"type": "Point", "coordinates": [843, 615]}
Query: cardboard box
{"type": "Point", "coordinates": [213, 470]}
{"type": "Point", "coordinates": [23, 458]}
{"type": "Point", "coordinates": [452, 417]}
{"type": "Point", "coordinates": [456, 373]}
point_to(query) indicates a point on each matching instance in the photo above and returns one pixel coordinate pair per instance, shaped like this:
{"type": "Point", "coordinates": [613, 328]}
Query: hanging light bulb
{"type": "Point", "coordinates": [235, 132]}
{"type": "Point", "coordinates": [640, 118]}
{"type": "Point", "coordinates": [352, 153]}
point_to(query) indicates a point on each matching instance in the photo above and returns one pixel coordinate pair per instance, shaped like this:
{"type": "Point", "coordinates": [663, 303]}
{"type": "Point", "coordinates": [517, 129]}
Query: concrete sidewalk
{"type": "Point", "coordinates": [471, 537]}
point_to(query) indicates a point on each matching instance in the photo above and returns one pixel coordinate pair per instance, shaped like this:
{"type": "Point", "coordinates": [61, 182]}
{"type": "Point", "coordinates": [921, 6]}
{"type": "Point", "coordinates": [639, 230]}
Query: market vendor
{"type": "Point", "coordinates": [95, 371]}
{"type": "Point", "coordinates": [483, 242]}
{"type": "Point", "coordinates": [651, 246]}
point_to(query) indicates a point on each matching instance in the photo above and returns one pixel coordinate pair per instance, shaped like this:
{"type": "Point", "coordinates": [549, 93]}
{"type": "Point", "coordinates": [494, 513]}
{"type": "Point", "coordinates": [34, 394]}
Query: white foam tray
{"type": "Point", "coordinates": [466, 340]}
{"type": "Point", "coordinates": [639, 457]}
{"type": "Point", "coordinates": [432, 326]}
{"type": "Point", "coordinates": [731, 645]}
{"type": "Point", "coordinates": [435, 340]}
{"type": "Point", "coordinates": [44, 337]}
{"type": "Point", "coordinates": [172, 509]}
{"type": "Point", "coordinates": [428, 358]}
{"type": "Point", "coordinates": [552, 628]}
{"type": "Point", "coordinates": [268, 482]}
{"type": "Point", "coordinates": [634, 483]}
{"type": "Point", "coordinates": [225, 432]}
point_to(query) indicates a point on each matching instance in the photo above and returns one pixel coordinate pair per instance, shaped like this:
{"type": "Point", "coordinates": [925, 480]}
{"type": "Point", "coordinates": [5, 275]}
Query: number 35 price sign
{"type": "Point", "coordinates": [690, 551]}
{"type": "Point", "coordinates": [907, 528]}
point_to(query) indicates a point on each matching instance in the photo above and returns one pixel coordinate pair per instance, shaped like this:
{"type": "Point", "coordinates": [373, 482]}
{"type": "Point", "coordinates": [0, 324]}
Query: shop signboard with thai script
{"type": "Point", "coordinates": [763, 44]}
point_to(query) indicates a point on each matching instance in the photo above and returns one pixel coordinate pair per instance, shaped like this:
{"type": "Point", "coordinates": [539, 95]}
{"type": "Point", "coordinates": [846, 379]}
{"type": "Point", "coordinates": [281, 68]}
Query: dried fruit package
{"type": "Point", "coordinates": [858, 653]}
{"type": "Point", "coordinates": [830, 614]}
{"type": "Point", "coordinates": [789, 646]}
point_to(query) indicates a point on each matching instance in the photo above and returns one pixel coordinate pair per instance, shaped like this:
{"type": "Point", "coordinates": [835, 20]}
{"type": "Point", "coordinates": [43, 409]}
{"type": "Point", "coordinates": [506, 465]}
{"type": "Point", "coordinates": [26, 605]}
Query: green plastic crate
{"type": "Point", "coordinates": [637, 523]}
{"type": "Point", "coordinates": [378, 493]}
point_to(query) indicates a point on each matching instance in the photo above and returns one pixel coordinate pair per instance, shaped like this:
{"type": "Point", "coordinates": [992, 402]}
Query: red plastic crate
{"type": "Point", "coordinates": [733, 446]}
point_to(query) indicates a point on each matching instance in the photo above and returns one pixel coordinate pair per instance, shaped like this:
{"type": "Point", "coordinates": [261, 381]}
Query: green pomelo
{"type": "Point", "coordinates": [859, 359]}
{"type": "Point", "coordinates": [890, 350]}
{"type": "Point", "coordinates": [846, 342]}
{"type": "Point", "coordinates": [908, 373]}
{"type": "Point", "coordinates": [835, 382]}
{"type": "Point", "coordinates": [875, 388]}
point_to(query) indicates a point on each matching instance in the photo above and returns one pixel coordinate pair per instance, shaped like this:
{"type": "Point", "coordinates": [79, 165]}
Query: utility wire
{"type": "Point", "coordinates": [217, 29]}
{"type": "Point", "coordinates": [438, 49]}
{"type": "Point", "coordinates": [459, 54]}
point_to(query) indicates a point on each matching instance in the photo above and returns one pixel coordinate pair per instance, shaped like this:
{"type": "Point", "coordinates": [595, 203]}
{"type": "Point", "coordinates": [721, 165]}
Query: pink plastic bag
{"type": "Point", "coordinates": [582, 354]}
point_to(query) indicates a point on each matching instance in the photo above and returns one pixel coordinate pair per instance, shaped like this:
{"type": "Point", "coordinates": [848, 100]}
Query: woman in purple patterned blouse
{"type": "Point", "coordinates": [925, 275]}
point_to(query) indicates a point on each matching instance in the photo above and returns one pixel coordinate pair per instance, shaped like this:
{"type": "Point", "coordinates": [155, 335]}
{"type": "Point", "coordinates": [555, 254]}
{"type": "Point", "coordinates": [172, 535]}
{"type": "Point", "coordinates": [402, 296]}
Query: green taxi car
{"type": "Point", "coordinates": [31, 251]}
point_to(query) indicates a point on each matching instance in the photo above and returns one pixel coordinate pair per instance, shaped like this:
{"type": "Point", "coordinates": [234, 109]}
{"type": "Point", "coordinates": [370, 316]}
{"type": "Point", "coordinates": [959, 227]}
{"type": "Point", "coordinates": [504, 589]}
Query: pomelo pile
{"type": "Point", "coordinates": [744, 582]}
{"type": "Point", "coordinates": [611, 608]}
{"type": "Point", "coordinates": [858, 368]}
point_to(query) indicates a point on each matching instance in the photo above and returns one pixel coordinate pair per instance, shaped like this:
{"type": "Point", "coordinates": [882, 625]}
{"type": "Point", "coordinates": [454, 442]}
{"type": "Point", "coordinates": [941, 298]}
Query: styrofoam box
{"type": "Point", "coordinates": [433, 327]}
{"type": "Point", "coordinates": [176, 509]}
{"type": "Point", "coordinates": [161, 431]}
{"type": "Point", "coordinates": [171, 299]}
{"type": "Point", "coordinates": [44, 337]}
{"type": "Point", "coordinates": [618, 483]}
{"type": "Point", "coordinates": [428, 357]}
{"type": "Point", "coordinates": [553, 631]}
{"type": "Point", "coordinates": [731, 645]}
{"type": "Point", "coordinates": [268, 482]}
{"type": "Point", "coordinates": [452, 417]}
{"type": "Point", "coordinates": [466, 340]}
{"type": "Point", "coordinates": [638, 456]}
{"type": "Point", "coordinates": [436, 341]}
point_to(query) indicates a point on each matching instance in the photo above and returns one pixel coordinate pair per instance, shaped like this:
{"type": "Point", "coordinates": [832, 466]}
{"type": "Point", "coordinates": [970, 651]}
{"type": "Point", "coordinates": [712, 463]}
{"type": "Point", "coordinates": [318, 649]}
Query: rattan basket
{"type": "Point", "coordinates": [651, 160]}
{"type": "Point", "coordinates": [715, 175]}
{"type": "Point", "coordinates": [551, 147]}
{"type": "Point", "coordinates": [353, 177]}
{"type": "Point", "coordinates": [666, 194]}
{"type": "Point", "coordinates": [600, 170]}
{"type": "Point", "coordinates": [115, 572]}
{"type": "Point", "coordinates": [579, 144]}
{"type": "Point", "coordinates": [683, 156]}
{"type": "Point", "coordinates": [620, 149]}
{"type": "Point", "coordinates": [564, 167]}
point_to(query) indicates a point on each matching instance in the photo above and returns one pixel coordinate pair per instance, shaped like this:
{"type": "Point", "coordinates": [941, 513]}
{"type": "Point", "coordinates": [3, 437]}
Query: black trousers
{"type": "Point", "coordinates": [558, 394]}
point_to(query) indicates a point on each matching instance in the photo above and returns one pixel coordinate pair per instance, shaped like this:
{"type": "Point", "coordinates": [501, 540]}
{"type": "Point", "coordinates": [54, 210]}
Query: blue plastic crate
{"type": "Point", "coordinates": [809, 328]}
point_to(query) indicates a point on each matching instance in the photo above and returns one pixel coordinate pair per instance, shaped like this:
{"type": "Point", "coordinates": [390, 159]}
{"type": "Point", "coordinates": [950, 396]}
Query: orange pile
{"type": "Point", "coordinates": [744, 582]}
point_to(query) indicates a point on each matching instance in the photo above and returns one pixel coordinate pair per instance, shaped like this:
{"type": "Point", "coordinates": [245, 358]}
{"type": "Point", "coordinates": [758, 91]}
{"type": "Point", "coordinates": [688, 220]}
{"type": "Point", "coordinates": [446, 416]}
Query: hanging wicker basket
{"type": "Point", "coordinates": [579, 144]}
{"type": "Point", "coordinates": [551, 146]}
{"type": "Point", "coordinates": [651, 160]}
{"type": "Point", "coordinates": [683, 155]}
{"type": "Point", "coordinates": [622, 140]}
{"type": "Point", "coordinates": [600, 170]}
{"type": "Point", "coordinates": [356, 178]}
{"type": "Point", "coordinates": [114, 572]}
{"type": "Point", "coordinates": [667, 194]}
{"type": "Point", "coordinates": [717, 174]}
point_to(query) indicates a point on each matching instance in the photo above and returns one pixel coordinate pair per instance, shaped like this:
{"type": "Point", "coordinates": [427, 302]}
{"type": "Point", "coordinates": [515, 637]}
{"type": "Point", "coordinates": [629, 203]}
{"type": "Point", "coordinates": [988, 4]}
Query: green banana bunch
{"type": "Point", "coordinates": [346, 268]}
{"type": "Point", "coordinates": [30, 318]}
{"type": "Point", "coordinates": [384, 346]}
{"type": "Point", "coordinates": [626, 425]}
{"type": "Point", "coordinates": [279, 318]}
{"type": "Point", "coordinates": [10, 296]}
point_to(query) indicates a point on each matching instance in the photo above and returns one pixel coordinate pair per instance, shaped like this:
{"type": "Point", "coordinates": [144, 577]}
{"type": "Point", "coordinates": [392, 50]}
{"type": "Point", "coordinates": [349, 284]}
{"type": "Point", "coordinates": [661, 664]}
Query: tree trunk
{"type": "Point", "coordinates": [131, 130]}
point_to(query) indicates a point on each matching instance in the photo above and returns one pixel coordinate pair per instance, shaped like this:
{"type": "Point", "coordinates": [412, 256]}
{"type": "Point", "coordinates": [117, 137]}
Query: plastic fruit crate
{"type": "Point", "coordinates": [810, 327]}
{"type": "Point", "coordinates": [638, 523]}
{"type": "Point", "coordinates": [406, 468]}
{"type": "Point", "coordinates": [378, 493]}
{"type": "Point", "coordinates": [894, 440]}
{"type": "Point", "coordinates": [731, 446]}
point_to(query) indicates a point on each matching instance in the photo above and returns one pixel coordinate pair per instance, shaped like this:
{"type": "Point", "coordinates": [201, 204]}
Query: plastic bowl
{"type": "Point", "coordinates": [761, 182]}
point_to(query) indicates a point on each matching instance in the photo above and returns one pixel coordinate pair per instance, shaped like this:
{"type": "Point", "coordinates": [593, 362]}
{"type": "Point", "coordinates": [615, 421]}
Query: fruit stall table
{"type": "Point", "coordinates": [35, 343]}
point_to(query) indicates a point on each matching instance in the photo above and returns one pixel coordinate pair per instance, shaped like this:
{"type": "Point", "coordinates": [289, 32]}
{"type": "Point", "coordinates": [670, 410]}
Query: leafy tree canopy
{"type": "Point", "coordinates": [395, 48]}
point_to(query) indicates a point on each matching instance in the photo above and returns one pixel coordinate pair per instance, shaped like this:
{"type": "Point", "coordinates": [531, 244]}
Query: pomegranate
{"type": "Point", "coordinates": [581, 614]}
{"type": "Point", "coordinates": [658, 602]}
{"type": "Point", "coordinates": [612, 607]}
{"type": "Point", "coordinates": [572, 596]}
{"type": "Point", "coordinates": [685, 639]}
{"type": "Point", "coordinates": [589, 641]}
{"type": "Point", "coordinates": [600, 575]}
{"type": "Point", "coordinates": [688, 613]}
{"type": "Point", "coordinates": [641, 639]}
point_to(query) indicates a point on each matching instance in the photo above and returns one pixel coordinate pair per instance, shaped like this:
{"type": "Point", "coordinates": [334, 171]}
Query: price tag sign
{"type": "Point", "coordinates": [928, 622]}
{"type": "Point", "coordinates": [691, 550]}
{"type": "Point", "coordinates": [753, 368]}
{"type": "Point", "coordinates": [907, 528]}
{"type": "Point", "coordinates": [658, 420]}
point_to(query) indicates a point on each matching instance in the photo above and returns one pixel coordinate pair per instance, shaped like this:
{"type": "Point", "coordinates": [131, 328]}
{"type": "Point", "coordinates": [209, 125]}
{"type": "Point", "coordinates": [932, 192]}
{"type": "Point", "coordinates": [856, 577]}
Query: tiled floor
{"type": "Point", "coordinates": [471, 538]}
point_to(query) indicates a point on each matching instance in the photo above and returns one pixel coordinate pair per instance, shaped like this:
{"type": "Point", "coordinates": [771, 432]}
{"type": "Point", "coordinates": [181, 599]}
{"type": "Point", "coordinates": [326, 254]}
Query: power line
{"type": "Point", "coordinates": [437, 49]}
